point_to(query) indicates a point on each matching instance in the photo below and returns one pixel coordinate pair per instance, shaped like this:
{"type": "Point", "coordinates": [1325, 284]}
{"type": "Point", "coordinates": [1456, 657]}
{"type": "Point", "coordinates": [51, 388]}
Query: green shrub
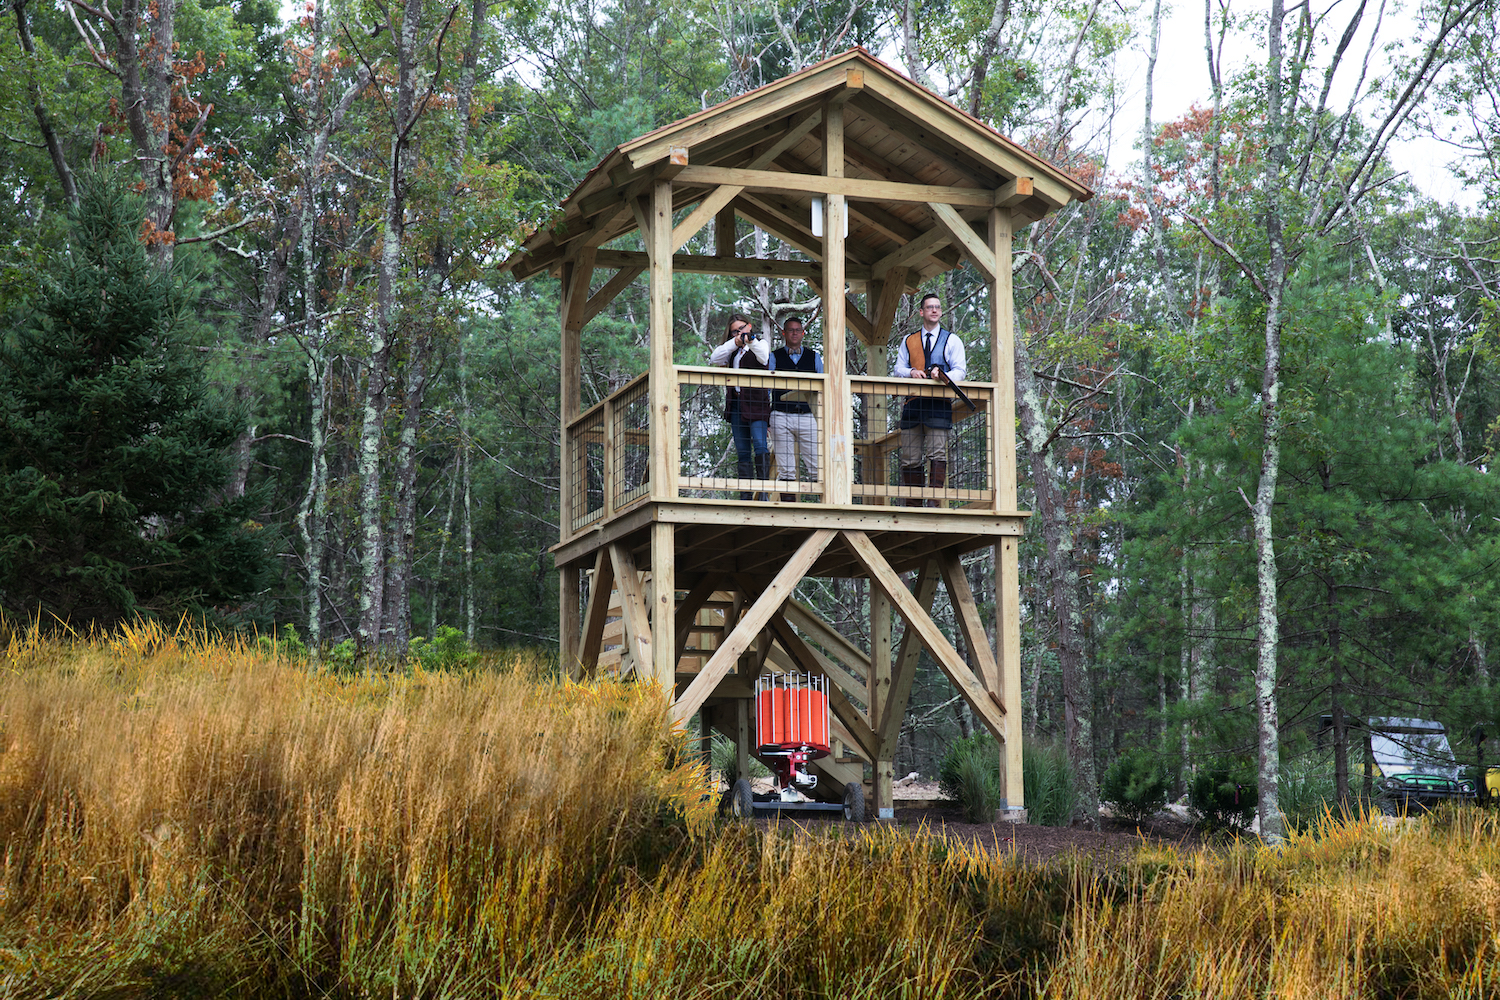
{"type": "Point", "coordinates": [1137, 785]}
{"type": "Point", "coordinates": [969, 773]}
{"type": "Point", "coordinates": [286, 643]}
{"type": "Point", "coordinates": [1048, 780]}
{"type": "Point", "coordinates": [1223, 796]}
{"type": "Point", "coordinates": [1304, 792]}
{"type": "Point", "coordinates": [448, 650]}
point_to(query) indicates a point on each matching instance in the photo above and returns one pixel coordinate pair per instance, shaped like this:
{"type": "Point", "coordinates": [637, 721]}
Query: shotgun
{"type": "Point", "coordinates": [942, 376]}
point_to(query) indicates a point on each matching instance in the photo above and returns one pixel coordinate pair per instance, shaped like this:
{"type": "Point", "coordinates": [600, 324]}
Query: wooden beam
{"type": "Point", "coordinates": [923, 246]}
{"type": "Point", "coordinates": [888, 300]}
{"type": "Point", "coordinates": [818, 664]}
{"type": "Point", "coordinates": [928, 633]}
{"type": "Point", "coordinates": [687, 611]}
{"type": "Point", "coordinates": [963, 234]}
{"type": "Point", "coordinates": [698, 217]}
{"type": "Point", "coordinates": [568, 621]}
{"type": "Point", "coordinates": [840, 648]}
{"type": "Point", "coordinates": [966, 612]}
{"type": "Point", "coordinates": [724, 235]}
{"type": "Point", "coordinates": [664, 603]}
{"type": "Point", "coordinates": [601, 299]}
{"type": "Point", "coordinates": [849, 187]}
{"type": "Point", "coordinates": [1013, 192]}
{"type": "Point", "coordinates": [571, 306]}
{"type": "Point", "coordinates": [739, 267]}
{"type": "Point", "coordinates": [633, 609]}
{"type": "Point", "coordinates": [600, 587]}
{"type": "Point", "coordinates": [882, 767]}
{"type": "Point", "coordinates": [837, 449]}
{"type": "Point", "coordinates": [662, 391]}
{"type": "Point", "coordinates": [904, 667]}
{"type": "Point", "coordinates": [750, 624]}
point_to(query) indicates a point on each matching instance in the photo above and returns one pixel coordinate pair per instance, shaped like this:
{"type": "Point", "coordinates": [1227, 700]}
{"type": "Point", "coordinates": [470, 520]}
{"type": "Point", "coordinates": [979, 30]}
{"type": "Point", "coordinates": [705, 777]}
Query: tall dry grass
{"type": "Point", "coordinates": [181, 817]}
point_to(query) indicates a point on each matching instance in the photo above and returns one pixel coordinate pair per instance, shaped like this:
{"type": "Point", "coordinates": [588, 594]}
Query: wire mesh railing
{"type": "Point", "coordinates": [717, 466]}
{"type": "Point", "coordinates": [608, 448]}
{"type": "Point", "coordinates": [903, 456]}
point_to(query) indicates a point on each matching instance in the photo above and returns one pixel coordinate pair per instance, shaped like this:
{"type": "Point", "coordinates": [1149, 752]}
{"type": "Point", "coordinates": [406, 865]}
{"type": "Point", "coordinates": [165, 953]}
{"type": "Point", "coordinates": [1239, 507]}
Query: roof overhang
{"type": "Point", "coordinates": [920, 177]}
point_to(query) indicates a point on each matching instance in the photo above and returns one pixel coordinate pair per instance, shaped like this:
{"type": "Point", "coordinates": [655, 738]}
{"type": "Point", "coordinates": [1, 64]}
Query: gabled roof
{"type": "Point", "coordinates": [903, 147]}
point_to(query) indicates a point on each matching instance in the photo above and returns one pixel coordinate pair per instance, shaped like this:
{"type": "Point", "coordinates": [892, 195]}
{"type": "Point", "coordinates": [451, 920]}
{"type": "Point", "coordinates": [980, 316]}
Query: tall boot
{"type": "Point", "coordinates": [763, 471]}
{"type": "Point", "coordinates": [788, 498]}
{"type": "Point", "coordinates": [911, 475]}
{"type": "Point", "coordinates": [938, 480]}
{"type": "Point", "coordinates": [743, 472]}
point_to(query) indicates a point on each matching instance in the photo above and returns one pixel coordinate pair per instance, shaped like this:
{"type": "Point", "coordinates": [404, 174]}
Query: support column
{"type": "Point", "coordinates": [1003, 455]}
{"type": "Point", "coordinates": [575, 293]}
{"type": "Point", "coordinates": [569, 622]}
{"type": "Point", "coordinates": [664, 605]}
{"type": "Point", "coordinates": [883, 767]}
{"type": "Point", "coordinates": [742, 737]}
{"type": "Point", "coordinates": [666, 437]}
{"type": "Point", "coordinates": [837, 445]}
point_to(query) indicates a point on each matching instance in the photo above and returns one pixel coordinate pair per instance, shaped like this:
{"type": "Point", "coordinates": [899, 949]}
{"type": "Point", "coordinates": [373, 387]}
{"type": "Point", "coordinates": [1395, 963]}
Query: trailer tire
{"type": "Point", "coordinates": [854, 802]}
{"type": "Point", "coordinates": [741, 800]}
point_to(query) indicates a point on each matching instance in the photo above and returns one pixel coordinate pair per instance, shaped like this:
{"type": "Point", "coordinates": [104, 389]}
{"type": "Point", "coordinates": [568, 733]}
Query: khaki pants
{"type": "Point", "coordinates": [922, 444]}
{"type": "Point", "coordinates": [795, 435]}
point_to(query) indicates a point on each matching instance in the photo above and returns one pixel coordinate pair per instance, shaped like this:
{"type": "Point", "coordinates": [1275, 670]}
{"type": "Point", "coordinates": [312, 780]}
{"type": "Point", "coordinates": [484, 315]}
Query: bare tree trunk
{"type": "Point", "coordinates": [376, 631]}
{"type": "Point", "coordinates": [465, 452]}
{"type": "Point", "coordinates": [39, 110]}
{"type": "Point", "coordinates": [1078, 697]}
{"type": "Point", "coordinates": [1267, 633]}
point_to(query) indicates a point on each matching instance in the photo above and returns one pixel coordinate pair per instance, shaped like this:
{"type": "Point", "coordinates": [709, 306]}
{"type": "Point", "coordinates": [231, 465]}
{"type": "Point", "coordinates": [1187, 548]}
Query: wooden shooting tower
{"type": "Point", "coordinates": [689, 585]}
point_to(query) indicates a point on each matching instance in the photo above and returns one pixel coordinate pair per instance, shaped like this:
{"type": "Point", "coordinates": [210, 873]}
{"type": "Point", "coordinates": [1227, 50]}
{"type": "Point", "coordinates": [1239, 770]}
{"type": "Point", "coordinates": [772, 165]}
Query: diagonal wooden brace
{"type": "Point", "coordinates": [750, 625]}
{"type": "Point", "coordinates": [931, 637]}
{"type": "Point", "coordinates": [633, 609]}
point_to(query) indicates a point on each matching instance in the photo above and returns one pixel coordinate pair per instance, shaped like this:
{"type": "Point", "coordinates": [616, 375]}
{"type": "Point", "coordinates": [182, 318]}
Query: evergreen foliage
{"type": "Point", "coordinates": [112, 444]}
{"type": "Point", "coordinates": [1136, 785]}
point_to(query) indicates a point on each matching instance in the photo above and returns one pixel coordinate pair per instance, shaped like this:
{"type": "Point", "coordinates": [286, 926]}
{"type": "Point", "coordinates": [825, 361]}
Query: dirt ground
{"type": "Point", "coordinates": [919, 808]}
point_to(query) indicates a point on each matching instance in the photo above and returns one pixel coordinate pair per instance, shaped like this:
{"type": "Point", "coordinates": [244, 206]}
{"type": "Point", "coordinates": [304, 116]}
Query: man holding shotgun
{"type": "Point", "coordinates": [932, 353]}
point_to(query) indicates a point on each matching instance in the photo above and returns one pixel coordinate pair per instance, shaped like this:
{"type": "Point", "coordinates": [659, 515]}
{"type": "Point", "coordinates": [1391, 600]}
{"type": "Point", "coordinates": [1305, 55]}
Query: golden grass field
{"type": "Point", "coordinates": [189, 817]}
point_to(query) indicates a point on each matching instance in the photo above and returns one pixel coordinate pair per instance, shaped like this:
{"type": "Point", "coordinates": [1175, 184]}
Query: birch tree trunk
{"type": "Point", "coordinates": [376, 631]}
{"type": "Point", "coordinates": [1267, 631]}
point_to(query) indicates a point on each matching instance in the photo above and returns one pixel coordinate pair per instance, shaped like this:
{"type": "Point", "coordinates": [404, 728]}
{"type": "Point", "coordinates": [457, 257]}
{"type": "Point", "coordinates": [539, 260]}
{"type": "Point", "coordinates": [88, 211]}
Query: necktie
{"type": "Point", "coordinates": [927, 350]}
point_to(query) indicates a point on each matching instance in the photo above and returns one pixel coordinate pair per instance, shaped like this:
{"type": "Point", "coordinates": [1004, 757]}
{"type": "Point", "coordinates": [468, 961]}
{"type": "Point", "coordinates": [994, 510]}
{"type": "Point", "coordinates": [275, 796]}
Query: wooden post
{"type": "Point", "coordinates": [1003, 455]}
{"type": "Point", "coordinates": [837, 446]}
{"type": "Point", "coordinates": [724, 233]}
{"type": "Point", "coordinates": [666, 436]}
{"type": "Point", "coordinates": [569, 622]}
{"type": "Point", "coordinates": [882, 768]}
{"type": "Point", "coordinates": [664, 605]}
{"type": "Point", "coordinates": [742, 737]}
{"type": "Point", "coordinates": [575, 294]}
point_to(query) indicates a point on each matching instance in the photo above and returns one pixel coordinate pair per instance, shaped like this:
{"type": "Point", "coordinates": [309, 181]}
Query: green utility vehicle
{"type": "Point", "coordinates": [1414, 766]}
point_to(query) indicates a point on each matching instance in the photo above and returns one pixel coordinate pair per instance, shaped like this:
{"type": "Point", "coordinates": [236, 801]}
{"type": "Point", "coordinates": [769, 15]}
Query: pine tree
{"type": "Point", "coordinates": [113, 446]}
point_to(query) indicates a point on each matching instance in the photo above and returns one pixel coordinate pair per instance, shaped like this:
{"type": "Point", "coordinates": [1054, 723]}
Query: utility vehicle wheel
{"type": "Point", "coordinates": [854, 802]}
{"type": "Point", "coordinates": [741, 801]}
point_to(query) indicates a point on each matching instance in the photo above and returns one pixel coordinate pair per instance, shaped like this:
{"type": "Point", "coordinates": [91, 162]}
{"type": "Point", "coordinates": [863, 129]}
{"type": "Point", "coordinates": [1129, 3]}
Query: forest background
{"type": "Point", "coordinates": [1257, 372]}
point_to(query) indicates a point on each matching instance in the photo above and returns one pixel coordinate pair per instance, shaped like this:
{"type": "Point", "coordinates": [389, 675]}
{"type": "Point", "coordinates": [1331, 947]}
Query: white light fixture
{"type": "Point", "coordinates": [817, 217]}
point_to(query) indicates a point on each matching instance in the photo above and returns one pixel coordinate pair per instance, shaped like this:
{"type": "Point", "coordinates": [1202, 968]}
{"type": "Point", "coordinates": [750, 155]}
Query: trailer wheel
{"type": "Point", "coordinates": [741, 800]}
{"type": "Point", "coordinates": [854, 802]}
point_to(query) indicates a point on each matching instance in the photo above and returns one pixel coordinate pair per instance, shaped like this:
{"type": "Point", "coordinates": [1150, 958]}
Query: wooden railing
{"type": "Point", "coordinates": [609, 445]}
